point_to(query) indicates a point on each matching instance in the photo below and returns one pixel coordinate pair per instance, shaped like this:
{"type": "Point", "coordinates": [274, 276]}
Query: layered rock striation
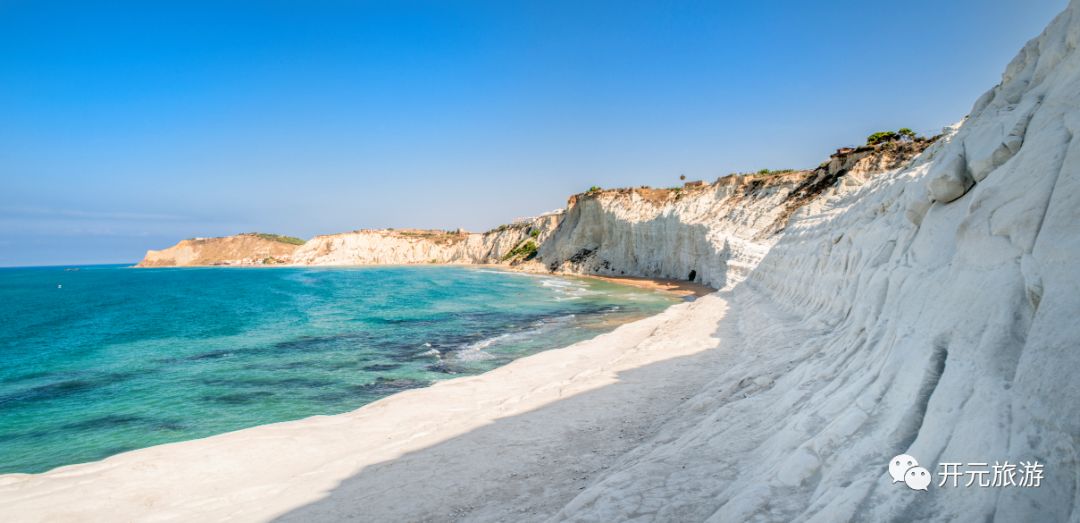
{"type": "Point", "coordinates": [929, 311]}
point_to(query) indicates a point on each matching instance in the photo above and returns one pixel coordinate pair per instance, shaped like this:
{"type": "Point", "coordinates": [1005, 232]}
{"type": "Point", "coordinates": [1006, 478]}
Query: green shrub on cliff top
{"type": "Point", "coordinates": [292, 240]}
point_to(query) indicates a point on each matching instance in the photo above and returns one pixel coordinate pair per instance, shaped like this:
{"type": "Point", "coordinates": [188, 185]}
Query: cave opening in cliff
{"type": "Point", "coordinates": [692, 276]}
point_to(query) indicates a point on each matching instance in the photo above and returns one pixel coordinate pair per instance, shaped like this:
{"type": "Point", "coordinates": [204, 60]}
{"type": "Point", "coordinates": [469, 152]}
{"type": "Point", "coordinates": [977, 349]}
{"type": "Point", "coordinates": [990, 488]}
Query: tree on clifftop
{"type": "Point", "coordinates": [903, 133]}
{"type": "Point", "coordinates": [882, 137]}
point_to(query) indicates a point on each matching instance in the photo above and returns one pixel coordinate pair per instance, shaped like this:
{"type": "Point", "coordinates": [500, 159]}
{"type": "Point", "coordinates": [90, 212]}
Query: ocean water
{"type": "Point", "coordinates": [106, 359]}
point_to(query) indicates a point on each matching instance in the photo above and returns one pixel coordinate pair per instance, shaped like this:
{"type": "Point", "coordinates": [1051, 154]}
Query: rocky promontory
{"type": "Point", "coordinates": [240, 249]}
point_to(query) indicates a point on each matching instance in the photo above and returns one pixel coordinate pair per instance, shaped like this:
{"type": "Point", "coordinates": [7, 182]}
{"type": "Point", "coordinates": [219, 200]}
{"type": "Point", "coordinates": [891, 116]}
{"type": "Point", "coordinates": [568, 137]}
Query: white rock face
{"type": "Point", "coordinates": [708, 232]}
{"type": "Point", "coordinates": [952, 337]}
{"type": "Point", "coordinates": [394, 246]}
{"type": "Point", "coordinates": [373, 247]}
{"type": "Point", "coordinates": [713, 234]}
{"type": "Point", "coordinates": [365, 247]}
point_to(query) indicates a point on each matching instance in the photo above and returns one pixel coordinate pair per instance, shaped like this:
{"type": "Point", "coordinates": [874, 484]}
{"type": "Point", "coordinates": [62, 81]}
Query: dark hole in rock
{"type": "Point", "coordinates": [693, 275]}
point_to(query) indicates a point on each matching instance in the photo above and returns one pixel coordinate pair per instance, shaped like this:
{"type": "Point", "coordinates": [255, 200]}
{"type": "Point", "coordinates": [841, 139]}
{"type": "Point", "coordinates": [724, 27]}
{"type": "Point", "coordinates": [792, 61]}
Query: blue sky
{"type": "Point", "coordinates": [130, 126]}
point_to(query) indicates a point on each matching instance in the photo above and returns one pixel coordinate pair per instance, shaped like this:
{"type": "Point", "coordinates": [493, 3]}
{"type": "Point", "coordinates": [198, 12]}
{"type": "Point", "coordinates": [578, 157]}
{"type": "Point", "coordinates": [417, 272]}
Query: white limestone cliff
{"type": "Point", "coordinates": [373, 247]}
{"type": "Point", "coordinates": [930, 312]}
{"type": "Point", "coordinates": [716, 232]}
{"type": "Point", "coordinates": [365, 247]}
{"type": "Point", "coordinates": [712, 234]}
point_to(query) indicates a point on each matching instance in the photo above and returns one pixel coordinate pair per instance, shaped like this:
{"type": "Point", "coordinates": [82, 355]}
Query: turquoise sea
{"type": "Point", "coordinates": [104, 359]}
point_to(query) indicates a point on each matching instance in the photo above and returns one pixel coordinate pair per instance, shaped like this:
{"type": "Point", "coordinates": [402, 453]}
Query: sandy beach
{"type": "Point", "coordinates": [681, 288]}
{"type": "Point", "coordinates": [676, 287]}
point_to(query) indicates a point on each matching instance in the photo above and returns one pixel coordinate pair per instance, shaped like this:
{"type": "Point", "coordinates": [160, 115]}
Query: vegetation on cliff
{"type": "Point", "coordinates": [291, 240]}
{"type": "Point", "coordinates": [524, 252]}
{"type": "Point", "coordinates": [891, 136]}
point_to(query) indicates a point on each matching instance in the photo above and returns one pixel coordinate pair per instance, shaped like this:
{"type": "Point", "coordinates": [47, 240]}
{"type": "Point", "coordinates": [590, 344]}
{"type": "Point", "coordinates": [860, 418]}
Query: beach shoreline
{"type": "Point", "coordinates": [677, 287]}
{"type": "Point", "coordinates": [681, 288]}
{"type": "Point", "coordinates": [294, 468]}
{"type": "Point", "coordinates": [319, 366]}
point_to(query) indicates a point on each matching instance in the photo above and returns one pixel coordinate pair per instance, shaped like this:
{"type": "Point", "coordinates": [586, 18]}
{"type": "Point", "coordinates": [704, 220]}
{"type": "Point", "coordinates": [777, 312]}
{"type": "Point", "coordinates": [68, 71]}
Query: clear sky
{"type": "Point", "coordinates": [130, 126]}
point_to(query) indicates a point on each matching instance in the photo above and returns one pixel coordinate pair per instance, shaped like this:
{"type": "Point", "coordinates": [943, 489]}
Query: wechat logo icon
{"type": "Point", "coordinates": [906, 469]}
